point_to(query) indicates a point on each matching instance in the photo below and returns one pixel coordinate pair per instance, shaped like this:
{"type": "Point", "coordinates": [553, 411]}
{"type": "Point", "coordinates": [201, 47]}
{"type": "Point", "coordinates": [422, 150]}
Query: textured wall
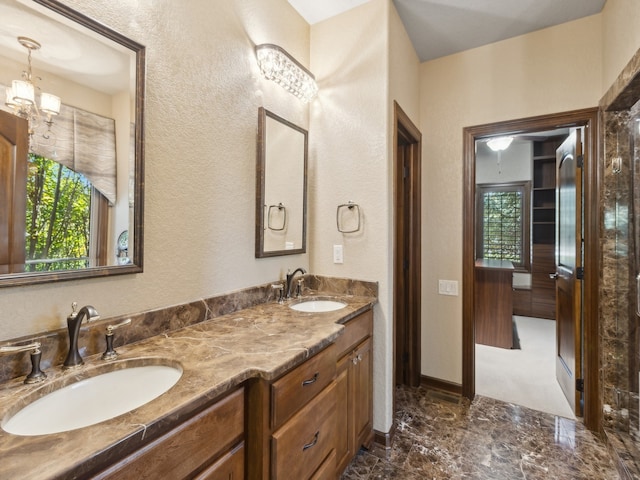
{"type": "Point", "coordinates": [349, 161]}
{"type": "Point", "coordinates": [551, 70]}
{"type": "Point", "coordinates": [203, 94]}
{"type": "Point", "coordinates": [620, 37]}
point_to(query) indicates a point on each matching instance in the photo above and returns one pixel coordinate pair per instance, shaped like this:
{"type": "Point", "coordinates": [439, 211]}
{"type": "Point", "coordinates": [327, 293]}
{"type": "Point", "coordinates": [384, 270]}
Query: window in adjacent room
{"type": "Point", "coordinates": [503, 223]}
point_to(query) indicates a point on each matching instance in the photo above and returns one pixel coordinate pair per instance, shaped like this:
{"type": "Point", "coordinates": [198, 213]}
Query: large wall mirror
{"type": "Point", "coordinates": [71, 146]}
{"type": "Point", "coordinates": [281, 192]}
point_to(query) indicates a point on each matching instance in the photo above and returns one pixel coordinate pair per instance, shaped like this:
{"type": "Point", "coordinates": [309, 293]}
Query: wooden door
{"type": "Point", "coordinates": [569, 268]}
{"type": "Point", "coordinates": [14, 147]}
{"type": "Point", "coordinates": [407, 248]}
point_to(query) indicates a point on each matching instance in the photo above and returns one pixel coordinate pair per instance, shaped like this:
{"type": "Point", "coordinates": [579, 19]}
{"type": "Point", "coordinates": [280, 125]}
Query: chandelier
{"type": "Point", "coordinates": [22, 99]}
{"type": "Point", "coordinates": [278, 65]}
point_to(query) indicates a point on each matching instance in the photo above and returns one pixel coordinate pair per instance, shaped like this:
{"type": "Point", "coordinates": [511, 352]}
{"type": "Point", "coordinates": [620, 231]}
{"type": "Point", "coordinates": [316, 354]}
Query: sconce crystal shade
{"type": "Point", "coordinates": [499, 143]}
{"type": "Point", "coordinates": [277, 65]}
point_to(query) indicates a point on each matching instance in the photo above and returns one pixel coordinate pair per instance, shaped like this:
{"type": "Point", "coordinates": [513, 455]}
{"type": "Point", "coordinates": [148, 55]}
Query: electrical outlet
{"type": "Point", "coordinates": [338, 254]}
{"type": "Point", "coordinates": [448, 287]}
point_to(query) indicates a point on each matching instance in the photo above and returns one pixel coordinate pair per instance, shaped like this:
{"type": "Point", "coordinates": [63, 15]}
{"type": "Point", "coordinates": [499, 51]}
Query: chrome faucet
{"type": "Point", "coordinates": [74, 320]}
{"type": "Point", "coordinates": [290, 276]}
{"type": "Point", "coordinates": [36, 375]}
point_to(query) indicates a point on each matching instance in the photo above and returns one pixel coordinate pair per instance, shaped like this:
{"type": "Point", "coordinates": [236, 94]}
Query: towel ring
{"type": "Point", "coordinates": [352, 207]}
{"type": "Point", "coordinates": [281, 208]}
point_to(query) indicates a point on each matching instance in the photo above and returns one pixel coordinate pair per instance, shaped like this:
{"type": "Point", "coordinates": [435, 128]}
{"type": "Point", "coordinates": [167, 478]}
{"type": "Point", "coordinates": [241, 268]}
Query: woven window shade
{"type": "Point", "coordinates": [86, 143]}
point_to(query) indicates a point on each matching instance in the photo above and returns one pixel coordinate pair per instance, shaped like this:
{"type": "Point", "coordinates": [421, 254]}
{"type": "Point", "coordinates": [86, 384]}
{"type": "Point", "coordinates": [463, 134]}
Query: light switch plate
{"type": "Point", "coordinates": [448, 287]}
{"type": "Point", "coordinates": [338, 254]}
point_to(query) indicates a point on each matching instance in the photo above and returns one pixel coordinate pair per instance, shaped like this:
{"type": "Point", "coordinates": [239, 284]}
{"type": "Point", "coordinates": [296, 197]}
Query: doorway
{"type": "Point", "coordinates": [586, 118]}
{"type": "Point", "coordinates": [407, 144]}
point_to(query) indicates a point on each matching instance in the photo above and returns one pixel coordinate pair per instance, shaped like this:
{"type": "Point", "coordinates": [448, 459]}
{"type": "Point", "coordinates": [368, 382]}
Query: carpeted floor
{"type": "Point", "coordinates": [524, 376]}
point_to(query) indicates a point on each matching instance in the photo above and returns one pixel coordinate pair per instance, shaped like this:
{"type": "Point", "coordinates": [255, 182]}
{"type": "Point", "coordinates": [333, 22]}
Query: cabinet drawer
{"type": "Point", "coordinates": [229, 467]}
{"type": "Point", "coordinates": [355, 331]}
{"type": "Point", "coordinates": [327, 470]}
{"type": "Point", "coordinates": [186, 448]}
{"type": "Point", "coordinates": [301, 445]}
{"type": "Point", "coordinates": [297, 387]}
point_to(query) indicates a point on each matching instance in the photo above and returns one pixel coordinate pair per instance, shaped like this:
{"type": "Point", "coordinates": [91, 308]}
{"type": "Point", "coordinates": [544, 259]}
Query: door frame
{"type": "Point", "coordinates": [588, 118]}
{"type": "Point", "coordinates": [407, 136]}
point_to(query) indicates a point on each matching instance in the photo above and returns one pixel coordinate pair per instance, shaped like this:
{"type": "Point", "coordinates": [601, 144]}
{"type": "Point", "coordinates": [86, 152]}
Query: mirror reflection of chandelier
{"type": "Point", "coordinates": [22, 99]}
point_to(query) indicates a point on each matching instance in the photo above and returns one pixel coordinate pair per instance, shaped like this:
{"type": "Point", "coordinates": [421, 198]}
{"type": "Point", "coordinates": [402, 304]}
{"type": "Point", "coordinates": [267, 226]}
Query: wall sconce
{"type": "Point", "coordinates": [277, 65]}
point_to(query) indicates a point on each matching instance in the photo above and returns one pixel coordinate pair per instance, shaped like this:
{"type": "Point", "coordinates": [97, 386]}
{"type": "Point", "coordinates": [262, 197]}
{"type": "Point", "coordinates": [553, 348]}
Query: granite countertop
{"type": "Point", "coordinates": [216, 355]}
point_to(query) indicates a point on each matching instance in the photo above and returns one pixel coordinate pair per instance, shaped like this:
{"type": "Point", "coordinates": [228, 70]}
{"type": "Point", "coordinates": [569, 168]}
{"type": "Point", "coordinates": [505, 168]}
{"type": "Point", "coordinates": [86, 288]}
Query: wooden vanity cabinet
{"type": "Point", "coordinates": [208, 446]}
{"type": "Point", "coordinates": [354, 385]}
{"type": "Point", "coordinates": [292, 422]}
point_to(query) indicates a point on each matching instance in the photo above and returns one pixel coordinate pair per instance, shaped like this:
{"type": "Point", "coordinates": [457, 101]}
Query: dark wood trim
{"type": "Point", "coordinates": [385, 440]}
{"type": "Point", "coordinates": [444, 385]}
{"type": "Point", "coordinates": [102, 229]}
{"type": "Point", "coordinates": [407, 142]}
{"type": "Point", "coordinates": [587, 118]}
{"type": "Point", "coordinates": [14, 131]}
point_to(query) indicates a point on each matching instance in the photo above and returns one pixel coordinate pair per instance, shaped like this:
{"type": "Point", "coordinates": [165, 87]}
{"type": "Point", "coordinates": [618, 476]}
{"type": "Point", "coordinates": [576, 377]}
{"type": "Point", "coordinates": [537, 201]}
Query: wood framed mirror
{"type": "Point", "coordinates": [281, 187]}
{"type": "Point", "coordinates": [72, 205]}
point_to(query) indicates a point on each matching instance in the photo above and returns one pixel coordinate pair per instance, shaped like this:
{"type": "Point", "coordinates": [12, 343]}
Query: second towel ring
{"type": "Point", "coordinates": [281, 208]}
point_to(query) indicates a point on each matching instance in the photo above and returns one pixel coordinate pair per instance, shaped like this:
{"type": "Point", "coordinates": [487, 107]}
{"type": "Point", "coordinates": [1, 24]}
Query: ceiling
{"type": "Point", "coordinates": [443, 27]}
{"type": "Point", "coordinates": [68, 50]}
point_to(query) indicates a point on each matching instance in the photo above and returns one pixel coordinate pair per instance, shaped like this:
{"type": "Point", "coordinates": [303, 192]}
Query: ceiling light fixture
{"type": "Point", "coordinates": [21, 98]}
{"type": "Point", "coordinates": [278, 65]}
{"type": "Point", "coordinates": [498, 144]}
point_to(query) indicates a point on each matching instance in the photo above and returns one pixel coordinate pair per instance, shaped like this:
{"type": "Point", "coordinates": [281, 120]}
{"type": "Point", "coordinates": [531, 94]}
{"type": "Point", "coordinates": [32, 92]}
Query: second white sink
{"type": "Point", "coordinates": [93, 400]}
{"type": "Point", "coordinates": [317, 305]}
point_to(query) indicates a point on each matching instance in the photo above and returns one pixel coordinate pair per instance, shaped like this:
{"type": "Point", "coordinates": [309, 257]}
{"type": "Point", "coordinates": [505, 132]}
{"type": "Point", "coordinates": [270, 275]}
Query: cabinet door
{"type": "Point", "coordinates": [344, 412]}
{"type": "Point", "coordinates": [229, 467]}
{"type": "Point", "coordinates": [362, 366]}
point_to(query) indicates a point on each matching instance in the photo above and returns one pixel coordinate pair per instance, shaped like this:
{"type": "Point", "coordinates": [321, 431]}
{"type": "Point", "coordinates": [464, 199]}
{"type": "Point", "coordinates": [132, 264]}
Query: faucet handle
{"type": "Point", "coordinates": [36, 375]}
{"type": "Point", "coordinates": [110, 353]}
{"type": "Point", "coordinates": [280, 288]}
{"type": "Point", "coordinates": [111, 328]}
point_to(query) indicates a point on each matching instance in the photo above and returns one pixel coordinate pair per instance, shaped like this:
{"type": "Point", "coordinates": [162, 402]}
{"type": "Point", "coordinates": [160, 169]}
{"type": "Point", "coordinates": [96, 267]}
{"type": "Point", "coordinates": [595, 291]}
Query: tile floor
{"type": "Point", "coordinates": [442, 437]}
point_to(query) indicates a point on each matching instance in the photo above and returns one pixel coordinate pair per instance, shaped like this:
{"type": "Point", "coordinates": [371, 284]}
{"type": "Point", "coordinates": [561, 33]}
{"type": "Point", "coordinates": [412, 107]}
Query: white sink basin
{"type": "Point", "coordinates": [317, 306]}
{"type": "Point", "coordinates": [93, 400]}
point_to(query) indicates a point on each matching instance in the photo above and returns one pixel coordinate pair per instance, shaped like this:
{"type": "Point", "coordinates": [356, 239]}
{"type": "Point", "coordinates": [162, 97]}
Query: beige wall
{"type": "Point", "coordinates": [203, 94]}
{"type": "Point", "coordinates": [551, 70]}
{"type": "Point", "coordinates": [620, 37]}
{"type": "Point", "coordinates": [349, 161]}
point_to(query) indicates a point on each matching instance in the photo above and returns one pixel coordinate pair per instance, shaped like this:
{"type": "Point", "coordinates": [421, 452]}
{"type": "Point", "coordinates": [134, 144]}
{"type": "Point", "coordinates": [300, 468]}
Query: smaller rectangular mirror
{"type": "Point", "coordinates": [281, 187]}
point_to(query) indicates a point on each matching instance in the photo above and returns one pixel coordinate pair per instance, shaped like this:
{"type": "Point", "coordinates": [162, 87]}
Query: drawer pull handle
{"type": "Point", "coordinates": [313, 443]}
{"type": "Point", "coordinates": [311, 380]}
